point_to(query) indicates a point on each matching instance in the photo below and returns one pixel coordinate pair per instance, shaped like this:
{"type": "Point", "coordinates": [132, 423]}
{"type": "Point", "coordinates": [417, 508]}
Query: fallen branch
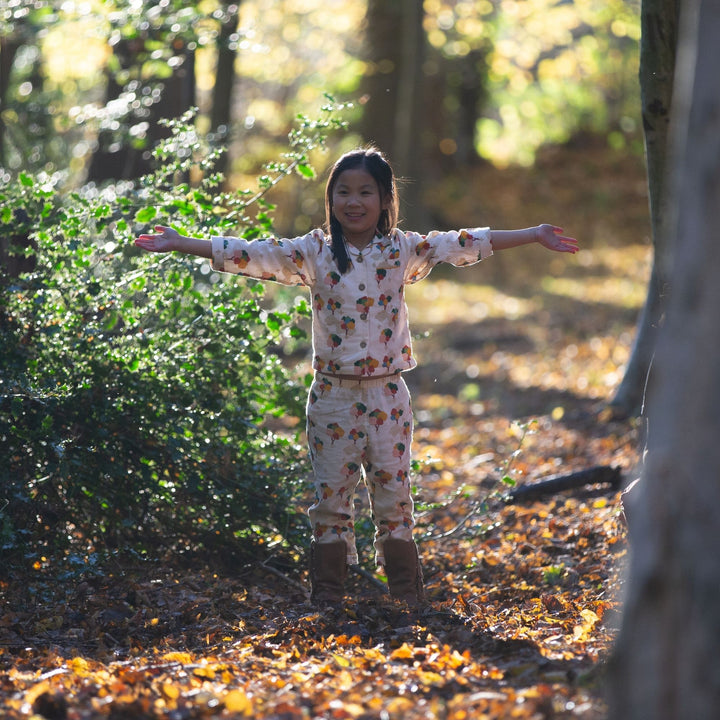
{"type": "Point", "coordinates": [363, 573]}
{"type": "Point", "coordinates": [278, 573]}
{"type": "Point", "coordinates": [599, 475]}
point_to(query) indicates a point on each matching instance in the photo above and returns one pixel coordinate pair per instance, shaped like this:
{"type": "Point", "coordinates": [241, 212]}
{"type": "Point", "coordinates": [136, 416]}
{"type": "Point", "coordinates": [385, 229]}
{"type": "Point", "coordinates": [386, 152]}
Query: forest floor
{"type": "Point", "coordinates": [517, 366]}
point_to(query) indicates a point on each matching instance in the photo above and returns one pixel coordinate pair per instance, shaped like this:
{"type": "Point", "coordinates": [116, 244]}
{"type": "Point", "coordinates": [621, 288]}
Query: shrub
{"type": "Point", "coordinates": [136, 387]}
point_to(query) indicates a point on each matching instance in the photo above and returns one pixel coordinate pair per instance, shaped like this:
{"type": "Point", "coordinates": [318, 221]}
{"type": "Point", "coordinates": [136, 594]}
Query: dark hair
{"type": "Point", "coordinates": [373, 162]}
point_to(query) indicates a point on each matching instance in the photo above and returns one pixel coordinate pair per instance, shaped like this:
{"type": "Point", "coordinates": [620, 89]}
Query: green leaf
{"type": "Point", "coordinates": [133, 365]}
{"type": "Point", "coordinates": [184, 207]}
{"type": "Point", "coordinates": [306, 171]}
{"type": "Point", "coordinates": [146, 215]}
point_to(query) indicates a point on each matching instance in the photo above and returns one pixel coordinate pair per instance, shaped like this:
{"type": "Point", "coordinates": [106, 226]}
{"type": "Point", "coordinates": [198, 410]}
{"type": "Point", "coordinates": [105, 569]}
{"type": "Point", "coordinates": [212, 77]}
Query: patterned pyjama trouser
{"type": "Point", "coordinates": [360, 429]}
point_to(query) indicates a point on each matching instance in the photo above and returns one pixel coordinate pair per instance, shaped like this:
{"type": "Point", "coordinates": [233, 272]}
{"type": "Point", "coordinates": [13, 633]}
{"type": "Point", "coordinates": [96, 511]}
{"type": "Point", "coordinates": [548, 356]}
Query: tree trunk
{"type": "Point", "coordinates": [657, 67]}
{"type": "Point", "coordinates": [665, 665]}
{"type": "Point", "coordinates": [471, 91]}
{"type": "Point", "coordinates": [409, 85]}
{"type": "Point", "coordinates": [392, 117]}
{"type": "Point", "coordinates": [121, 160]}
{"type": "Point", "coordinates": [221, 112]}
{"type": "Point", "coordinates": [383, 27]}
{"type": "Point", "coordinates": [9, 45]}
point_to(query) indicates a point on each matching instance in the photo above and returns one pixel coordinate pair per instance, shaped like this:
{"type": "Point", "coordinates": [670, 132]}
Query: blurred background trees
{"type": "Point", "coordinates": [439, 86]}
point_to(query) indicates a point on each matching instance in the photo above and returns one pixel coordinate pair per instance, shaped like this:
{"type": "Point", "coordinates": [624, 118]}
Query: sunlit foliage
{"type": "Point", "coordinates": [135, 388]}
{"type": "Point", "coordinates": [557, 69]}
{"type": "Point", "coordinates": [547, 70]}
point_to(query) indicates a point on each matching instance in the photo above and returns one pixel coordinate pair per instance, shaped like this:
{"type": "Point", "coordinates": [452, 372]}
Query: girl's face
{"type": "Point", "coordinates": [356, 203]}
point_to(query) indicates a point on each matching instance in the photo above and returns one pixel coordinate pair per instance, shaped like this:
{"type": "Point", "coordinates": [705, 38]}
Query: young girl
{"type": "Point", "coordinates": [359, 419]}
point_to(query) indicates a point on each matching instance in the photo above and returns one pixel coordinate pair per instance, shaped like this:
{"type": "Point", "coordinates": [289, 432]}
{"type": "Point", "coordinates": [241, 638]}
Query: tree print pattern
{"type": "Point", "coordinates": [354, 433]}
{"type": "Point", "coordinates": [365, 307]}
{"type": "Point", "coordinates": [360, 328]}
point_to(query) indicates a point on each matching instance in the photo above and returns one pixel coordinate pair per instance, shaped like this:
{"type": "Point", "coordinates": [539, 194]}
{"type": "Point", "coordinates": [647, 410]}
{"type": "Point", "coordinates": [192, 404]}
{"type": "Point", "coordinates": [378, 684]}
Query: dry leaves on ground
{"type": "Point", "coordinates": [523, 610]}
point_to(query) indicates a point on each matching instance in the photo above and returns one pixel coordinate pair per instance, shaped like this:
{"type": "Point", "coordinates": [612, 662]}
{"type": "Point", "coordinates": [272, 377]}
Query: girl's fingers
{"type": "Point", "coordinates": [159, 230]}
{"type": "Point", "coordinates": [567, 240]}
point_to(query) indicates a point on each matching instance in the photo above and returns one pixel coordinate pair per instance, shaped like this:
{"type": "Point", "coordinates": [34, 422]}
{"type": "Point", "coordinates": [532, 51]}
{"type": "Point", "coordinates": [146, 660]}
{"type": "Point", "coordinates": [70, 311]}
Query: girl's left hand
{"type": "Point", "coordinates": [550, 236]}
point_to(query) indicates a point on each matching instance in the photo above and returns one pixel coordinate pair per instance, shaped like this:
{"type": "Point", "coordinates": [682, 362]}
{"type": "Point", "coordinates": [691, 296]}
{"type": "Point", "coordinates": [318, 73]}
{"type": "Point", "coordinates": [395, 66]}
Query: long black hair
{"type": "Point", "coordinates": [373, 162]}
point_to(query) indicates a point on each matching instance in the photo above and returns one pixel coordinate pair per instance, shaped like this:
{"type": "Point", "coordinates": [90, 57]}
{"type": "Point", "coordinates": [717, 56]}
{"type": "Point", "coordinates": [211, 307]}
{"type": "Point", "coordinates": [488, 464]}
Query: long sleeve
{"type": "Point", "coordinates": [286, 261]}
{"type": "Point", "coordinates": [456, 247]}
{"type": "Point", "coordinates": [360, 323]}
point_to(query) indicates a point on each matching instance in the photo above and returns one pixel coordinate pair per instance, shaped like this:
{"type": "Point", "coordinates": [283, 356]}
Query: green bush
{"type": "Point", "coordinates": [135, 387]}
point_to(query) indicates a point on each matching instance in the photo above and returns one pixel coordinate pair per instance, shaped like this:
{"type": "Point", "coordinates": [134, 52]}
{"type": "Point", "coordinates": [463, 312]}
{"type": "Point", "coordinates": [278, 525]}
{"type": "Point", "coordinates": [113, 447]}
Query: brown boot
{"type": "Point", "coordinates": [328, 569]}
{"type": "Point", "coordinates": [404, 574]}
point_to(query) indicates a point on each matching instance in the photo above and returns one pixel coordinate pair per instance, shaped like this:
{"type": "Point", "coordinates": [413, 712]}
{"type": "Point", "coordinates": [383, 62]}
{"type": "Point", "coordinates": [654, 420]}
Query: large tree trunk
{"type": "Point", "coordinates": [221, 112]}
{"type": "Point", "coordinates": [657, 67]}
{"type": "Point", "coordinates": [9, 45]}
{"type": "Point", "coordinates": [383, 27]}
{"type": "Point", "coordinates": [114, 160]}
{"type": "Point", "coordinates": [392, 116]}
{"type": "Point", "coordinates": [665, 666]}
{"type": "Point", "coordinates": [407, 117]}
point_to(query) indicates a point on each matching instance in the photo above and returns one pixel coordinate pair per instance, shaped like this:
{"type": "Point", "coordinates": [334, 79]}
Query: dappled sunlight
{"type": "Point", "coordinates": [629, 261]}
{"type": "Point", "coordinates": [439, 302]}
{"type": "Point", "coordinates": [592, 369]}
{"type": "Point", "coordinates": [570, 333]}
{"type": "Point", "coordinates": [623, 292]}
{"type": "Point", "coordinates": [614, 276]}
{"type": "Point", "coordinates": [76, 47]}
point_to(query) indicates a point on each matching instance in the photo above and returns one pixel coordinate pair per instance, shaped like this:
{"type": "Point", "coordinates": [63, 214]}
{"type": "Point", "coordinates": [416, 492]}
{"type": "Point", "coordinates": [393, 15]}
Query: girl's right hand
{"type": "Point", "coordinates": [165, 239]}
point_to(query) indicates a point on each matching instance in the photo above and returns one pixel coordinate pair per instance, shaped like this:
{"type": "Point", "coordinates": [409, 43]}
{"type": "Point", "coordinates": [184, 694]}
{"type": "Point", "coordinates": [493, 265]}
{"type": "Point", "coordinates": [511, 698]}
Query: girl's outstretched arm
{"type": "Point", "coordinates": [166, 239]}
{"type": "Point", "coordinates": [548, 236]}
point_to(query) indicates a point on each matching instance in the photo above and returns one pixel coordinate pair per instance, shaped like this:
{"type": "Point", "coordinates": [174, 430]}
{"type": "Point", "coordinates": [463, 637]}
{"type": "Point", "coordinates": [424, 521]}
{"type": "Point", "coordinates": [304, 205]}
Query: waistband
{"type": "Point", "coordinates": [365, 381]}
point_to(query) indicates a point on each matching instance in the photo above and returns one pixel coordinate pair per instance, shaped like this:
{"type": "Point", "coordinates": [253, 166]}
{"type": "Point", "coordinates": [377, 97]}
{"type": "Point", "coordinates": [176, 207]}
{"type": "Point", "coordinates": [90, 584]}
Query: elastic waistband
{"type": "Point", "coordinates": [365, 381]}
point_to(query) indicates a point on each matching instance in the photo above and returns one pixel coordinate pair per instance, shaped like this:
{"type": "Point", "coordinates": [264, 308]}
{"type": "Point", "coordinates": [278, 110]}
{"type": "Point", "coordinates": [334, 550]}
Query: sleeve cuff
{"type": "Point", "coordinates": [483, 235]}
{"type": "Point", "coordinates": [218, 245]}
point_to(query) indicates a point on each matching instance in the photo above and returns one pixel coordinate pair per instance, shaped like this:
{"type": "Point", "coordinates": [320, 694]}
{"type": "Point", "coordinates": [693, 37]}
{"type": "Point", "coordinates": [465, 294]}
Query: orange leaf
{"type": "Point", "coordinates": [404, 652]}
{"type": "Point", "coordinates": [236, 701]}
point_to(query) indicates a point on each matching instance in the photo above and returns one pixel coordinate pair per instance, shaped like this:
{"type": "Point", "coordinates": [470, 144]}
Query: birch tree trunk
{"type": "Point", "coordinates": [665, 665]}
{"type": "Point", "coordinates": [658, 45]}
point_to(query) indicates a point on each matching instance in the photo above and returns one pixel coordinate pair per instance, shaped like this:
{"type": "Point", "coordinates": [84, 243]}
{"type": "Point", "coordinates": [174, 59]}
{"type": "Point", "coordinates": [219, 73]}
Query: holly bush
{"type": "Point", "coordinates": [136, 387]}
